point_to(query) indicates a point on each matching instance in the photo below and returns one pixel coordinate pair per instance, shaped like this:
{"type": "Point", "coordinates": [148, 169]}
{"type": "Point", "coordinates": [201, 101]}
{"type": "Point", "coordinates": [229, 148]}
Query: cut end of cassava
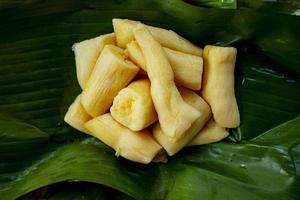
{"type": "Point", "coordinates": [212, 132]}
{"type": "Point", "coordinates": [87, 53]}
{"type": "Point", "coordinates": [218, 84]}
{"type": "Point", "coordinates": [112, 73]}
{"type": "Point", "coordinates": [123, 29]}
{"type": "Point", "coordinates": [135, 146]}
{"type": "Point", "coordinates": [76, 116]}
{"type": "Point", "coordinates": [133, 106]}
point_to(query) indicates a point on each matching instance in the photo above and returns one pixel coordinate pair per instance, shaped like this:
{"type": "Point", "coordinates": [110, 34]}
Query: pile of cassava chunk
{"type": "Point", "coordinates": [148, 92]}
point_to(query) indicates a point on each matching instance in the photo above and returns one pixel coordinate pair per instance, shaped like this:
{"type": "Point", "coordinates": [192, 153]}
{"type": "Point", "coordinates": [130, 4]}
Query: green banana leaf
{"type": "Point", "coordinates": [224, 4]}
{"type": "Point", "coordinates": [260, 160]}
{"type": "Point", "coordinates": [281, 6]}
{"type": "Point", "coordinates": [76, 191]}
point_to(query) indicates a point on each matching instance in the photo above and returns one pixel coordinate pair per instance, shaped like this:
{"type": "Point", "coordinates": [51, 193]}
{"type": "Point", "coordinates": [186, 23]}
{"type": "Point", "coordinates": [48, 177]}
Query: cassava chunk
{"type": "Point", "coordinates": [87, 53]}
{"type": "Point", "coordinates": [218, 84]}
{"type": "Point", "coordinates": [171, 146]}
{"type": "Point", "coordinates": [174, 114]}
{"type": "Point", "coordinates": [76, 116]}
{"type": "Point", "coordinates": [167, 38]}
{"type": "Point", "coordinates": [187, 68]}
{"type": "Point", "coordinates": [135, 146]}
{"type": "Point", "coordinates": [133, 106]}
{"type": "Point", "coordinates": [212, 132]}
{"type": "Point", "coordinates": [112, 73]}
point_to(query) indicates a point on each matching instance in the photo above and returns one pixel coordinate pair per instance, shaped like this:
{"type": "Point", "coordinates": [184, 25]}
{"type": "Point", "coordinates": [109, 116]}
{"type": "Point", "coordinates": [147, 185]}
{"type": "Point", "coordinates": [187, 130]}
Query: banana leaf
{"type": "Point", "coordinates": [281, 6]}
{"type": "Point", "coordinates": [260, 160]}
{"type": "Point", "coordinates": [76, 191]}
{"type": "Point", "coordinates": [224, 4]}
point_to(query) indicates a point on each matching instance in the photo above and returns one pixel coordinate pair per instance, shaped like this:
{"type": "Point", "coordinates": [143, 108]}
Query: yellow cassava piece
{"type": "Point", "coordinates": [211, 132]}
{"type": "Point", "coordinates": [218, 84]}
{"type": "Point", "coordinates": [174, 114]}
{"type": "Point", "coordinates": [167, 38]}
{"type": "Point", "coordinates": [123, 29]}
{"type": "Point", "coordinates": [187, 68]}
{"type": "Point", "coordinates": [133, 106]}
{"type": "Point", "coordinates": [87, 53]}
{"type": "Point", "coordinates": [76, 116]}
{"type": "Point", "coordinates": [171, 146]}
{"type": "Point", "coordinates": [135, 146]}
{"type": "Point", "coordinates": [112, 73]}
{"type": "Point", "coordinates": [135, 54]}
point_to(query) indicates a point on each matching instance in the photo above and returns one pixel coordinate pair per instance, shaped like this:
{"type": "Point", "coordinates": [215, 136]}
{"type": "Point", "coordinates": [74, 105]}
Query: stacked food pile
{"type": "Point", "coordinates": [147, 91]}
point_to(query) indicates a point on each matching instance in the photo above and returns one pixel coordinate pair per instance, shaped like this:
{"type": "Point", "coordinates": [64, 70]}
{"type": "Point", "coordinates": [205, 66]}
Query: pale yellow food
{"type": "Point", "coordinates": [171, 146]}
{"type": "Point", "coordinates": [187, 68]}
{"type": "Point", "coordinates": [174, 114]}
{"type": "Point", "coordinates": [218, 84]}
{"type": "Point", "coordinates": [212, 132]}
{"type": "Point", "coordinates": [135, 146]}
{"type": "Point", "coordinates": [87, 53]}
{"type": "Point", "coordinates": [143, 75]}
{"type": "Point", "coordinates": [112, 73]}
{"type": "Point", "coordinates": [133, 106]}
{"type": "Point", "coordinates": [76, 116]}
{"type": "Point", "coordinates": [135, 54]}
{"type": "Point", "coordinates": [167, 38]}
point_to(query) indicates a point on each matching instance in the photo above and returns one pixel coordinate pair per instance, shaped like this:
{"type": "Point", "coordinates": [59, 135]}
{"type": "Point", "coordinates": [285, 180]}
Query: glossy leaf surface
{"type": "Point", "coordinates": [38, 83]}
